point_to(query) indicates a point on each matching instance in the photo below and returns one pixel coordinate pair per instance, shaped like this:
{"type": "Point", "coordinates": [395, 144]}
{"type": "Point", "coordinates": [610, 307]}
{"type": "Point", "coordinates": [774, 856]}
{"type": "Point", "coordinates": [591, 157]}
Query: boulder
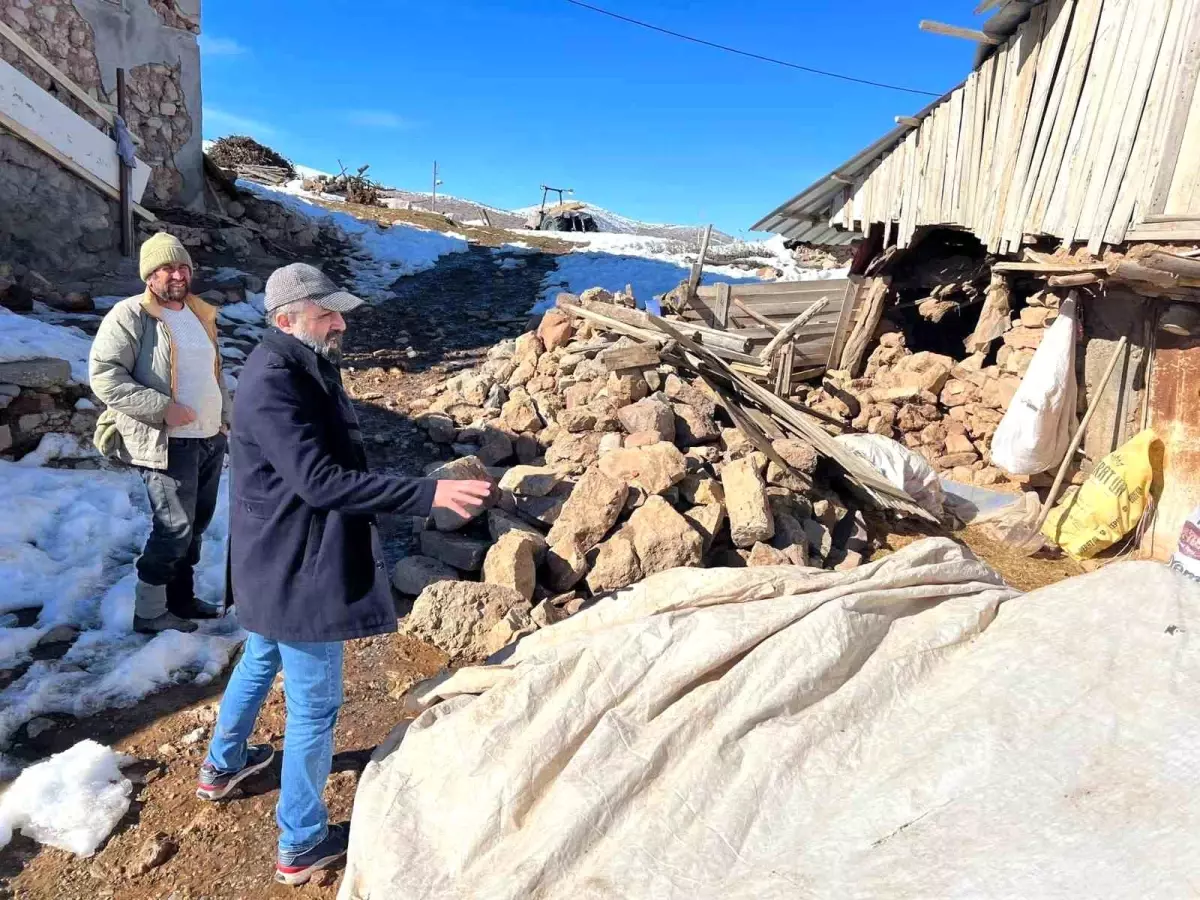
{"type": "Point", "coordinates": [415, 573]}
{"type": "Point", "coordinates": [590, 512]}
{"type": "Point", "coordinates": [642, 439]}
{"type": "Point", "coordinates": [527, 449]}
{"type": "Point", "coordinates": [39, 374]}
{"type": "Point", "coordinates": [798, 454]}
{"type": "Point", "coordinates": [750, 519]}
{"type": "Point", "coordinates": [790, 538]}
{"type": "Point", "coordinates": [663, 538]}
{"type": "Point", "coordinates": [496, 447]}
{"type": "Point", "coordinates": [511, 562]}
{"type": "Point", "coordinates": [766, 555]}
{"type": "Point", "coordinates": [654, 469]}
{"type": "Point", "coordinates": [463, 553]}
{"type": "Point", "coordinates": [648, 416]}
{"type": "Point", "coordinates": [925, 371]}
{"type": "Point", "coordinates": [614, 564]}
{"type": "Point", "coordinates": [519, 414]}
{"type": "Point", "coordinates": [469, 468]}
{"type": "Point", "coordinates": [959, 443]}
{"type": "Point", "coordinates": [555, 329]}
{"type": "Point", "coordinates": [707, 520]}
{"type": "Point", "coordinates": [693, 427]}
{"type": "Point", "coordinates": [456, 616]}
{"type": "Point", "coordinates": [530, 481]}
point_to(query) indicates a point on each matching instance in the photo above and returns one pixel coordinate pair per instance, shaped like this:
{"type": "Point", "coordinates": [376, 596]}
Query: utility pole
{"type": "Point", "coordinates": [433, 198]}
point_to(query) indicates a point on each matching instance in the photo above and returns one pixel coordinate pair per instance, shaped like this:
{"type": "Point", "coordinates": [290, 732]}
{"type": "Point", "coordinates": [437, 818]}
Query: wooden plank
{"type": "Point", "coordinates": [984, 197]}
{"type": "Point", "coordinates": [1029, 39]}
{"type": "Point", "coordinates": [1104, 139]}
{"type": "Point", "coordinates": [38, 113]}
{"type": "Point", "coordinates": [787, 364]}
{"type": "Point", "coordinates": [950, 182]}
{"type": "Point", "coordinates": [1137, 85]}
{"type": "Point", "coordinates": [1183, 195]}
{"type": "Point", "coordinates": [1078, 280]}
{"type": "Point", "coordinates": [1179, 105]}
{"type": "Point", "coordinates": [66, 162]}
{"type": "Point", "coordinates": [1146, 147]}
{"type": "Point", "coordinates": [1061, 111]}
{"type": "Point", "coordinates": [1048, 268]}
{"type": "Point", "coordinates": [870, 314]}
{"type": "Point", "coordinates": [750, 292]}
{"type": "Point", "coordinates": [757, 317]}
{"type": "Point", "coordinates": [849, 304]}
{"type": "Point", "coordinates": [57, 74]}
{"type": "Point", "coordinates": [1066, 197]}
{"type": "Point", "coordinates": [635, 357]}
{"type": "Point", "coordinates": [1035, 134]}
{"type": "Point", "coordinates": [792, 327]}
{"type": "Point", "coordinates": [1178, 265]}
{"type": "Point", "coordinates": [970, 34]}
{"type": "Point", "coordinates": [912, 142]}
{"type": "Point", "coordinates": [962, 199]}
{"type": "Point", "coordinates": [722, 301]}
{"type": "Point", "coordinates": [698, 267]}
{"type": "Point", "coordinates": [1164, 233]}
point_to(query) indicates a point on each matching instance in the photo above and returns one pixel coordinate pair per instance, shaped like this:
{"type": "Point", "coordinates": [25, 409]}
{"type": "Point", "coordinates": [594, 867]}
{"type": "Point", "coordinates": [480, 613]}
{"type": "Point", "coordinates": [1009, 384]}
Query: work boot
{"type": "Point", "coordinates": [166, 622]}
{"type": "Point", "coordinates": [297, 868]}
{"type": "Point", "coordinates": [181, 599]}
{"type": "Point", "coordinates": [216, 785]}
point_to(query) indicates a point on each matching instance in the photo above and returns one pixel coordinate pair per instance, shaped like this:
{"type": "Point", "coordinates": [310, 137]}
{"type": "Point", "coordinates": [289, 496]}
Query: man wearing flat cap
{"type": "Point", "coordinates": [156, 366]}
{"type": "Point", "coordinates": [306, 565]}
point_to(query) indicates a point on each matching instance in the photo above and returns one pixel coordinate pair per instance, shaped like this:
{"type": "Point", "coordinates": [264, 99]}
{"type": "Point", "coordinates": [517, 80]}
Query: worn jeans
{"type": "Point", "coordinates": [182, 501]}
{"type": "Point", "coordinates": [312, 686]}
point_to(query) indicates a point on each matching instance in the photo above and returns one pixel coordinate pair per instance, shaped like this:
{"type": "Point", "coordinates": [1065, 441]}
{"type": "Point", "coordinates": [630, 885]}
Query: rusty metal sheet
{"type": "Point", "coordinates": [1175, 418]}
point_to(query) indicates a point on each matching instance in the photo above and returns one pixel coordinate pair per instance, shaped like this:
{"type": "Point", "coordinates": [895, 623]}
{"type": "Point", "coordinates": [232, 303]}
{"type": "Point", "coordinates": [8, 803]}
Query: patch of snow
{"type": "Point", "coordinates": [15, 644]}
{"type": "Point", "coordinates": [71, 801]}
{"type": "Point", "coordinates": [386, 254]}
{"type": "Point", "coordinates": [22, 337]}
{"type": "Point", "coordinates": [250, 311]}
{"type": "Point", "coordinates": [83, 404]}
{"type": "Point", "coordinates": [55, 446]}
{"type": "Point", "coordinates": [309, 172]}
{"type": "Point", "coordinates": [68, 548]}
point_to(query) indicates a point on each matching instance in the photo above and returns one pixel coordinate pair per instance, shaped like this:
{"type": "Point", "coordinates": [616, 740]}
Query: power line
{"type": "Point", "coordinates": [746, 53]}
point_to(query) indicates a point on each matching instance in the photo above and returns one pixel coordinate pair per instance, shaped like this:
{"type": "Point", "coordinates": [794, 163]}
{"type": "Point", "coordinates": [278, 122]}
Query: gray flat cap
{"type": "Point", "coordinates": [300, 281]}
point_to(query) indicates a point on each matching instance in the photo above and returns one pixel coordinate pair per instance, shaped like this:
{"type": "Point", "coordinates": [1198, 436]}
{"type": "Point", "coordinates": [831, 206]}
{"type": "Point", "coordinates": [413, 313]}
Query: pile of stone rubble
{"type": "Point", "coordinates": [611, 466]}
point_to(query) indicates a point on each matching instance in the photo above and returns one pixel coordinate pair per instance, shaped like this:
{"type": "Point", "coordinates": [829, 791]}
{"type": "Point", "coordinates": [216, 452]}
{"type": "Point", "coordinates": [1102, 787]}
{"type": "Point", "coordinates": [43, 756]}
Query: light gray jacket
{"type": "Point", "coordinates": [133, 372]}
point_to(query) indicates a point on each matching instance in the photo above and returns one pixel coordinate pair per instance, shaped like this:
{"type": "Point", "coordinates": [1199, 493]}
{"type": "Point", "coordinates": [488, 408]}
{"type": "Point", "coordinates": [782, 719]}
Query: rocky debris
{"type": "Point", "coordinates": [155, 852]}
{"type": "Point", "coordinates": [413, 574]}
{"type": "Point", "coordinates": [469, 468]}
{"type": "Point", "coordinates": [615, 475]}
{"type": "Point", "coordinates": [456, 616]}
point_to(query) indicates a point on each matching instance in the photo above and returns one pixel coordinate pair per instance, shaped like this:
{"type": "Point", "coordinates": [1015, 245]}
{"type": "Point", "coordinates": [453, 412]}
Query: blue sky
{"type": "Point", "coordinates": [509, 94]}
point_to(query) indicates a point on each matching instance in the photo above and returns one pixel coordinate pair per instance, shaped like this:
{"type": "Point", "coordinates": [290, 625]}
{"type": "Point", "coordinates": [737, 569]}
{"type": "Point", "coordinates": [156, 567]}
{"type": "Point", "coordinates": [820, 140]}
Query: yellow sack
{"type": "Point", "coordinates": [1110, 503]}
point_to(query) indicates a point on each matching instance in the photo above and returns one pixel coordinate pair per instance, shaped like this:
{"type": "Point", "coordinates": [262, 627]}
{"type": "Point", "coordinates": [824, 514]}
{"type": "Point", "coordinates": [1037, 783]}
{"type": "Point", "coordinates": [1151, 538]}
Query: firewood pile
{"type": "Point", "coordinates": [621, 448]}
{"type": "Point", "coordinates": [356, 188]}
{"type": "Point", "coordinates": [245, 155]}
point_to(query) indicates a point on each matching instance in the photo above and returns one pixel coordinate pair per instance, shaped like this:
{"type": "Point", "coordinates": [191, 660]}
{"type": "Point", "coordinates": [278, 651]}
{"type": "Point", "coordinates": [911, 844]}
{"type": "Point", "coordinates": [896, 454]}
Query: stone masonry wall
{"type": "Point", "coordinates": [157, 115]}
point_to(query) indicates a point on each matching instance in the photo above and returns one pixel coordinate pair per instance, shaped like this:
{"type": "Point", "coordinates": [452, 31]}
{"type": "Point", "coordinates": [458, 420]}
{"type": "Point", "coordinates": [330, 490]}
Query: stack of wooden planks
{"type": "Point", "coordinates": [1082, 124]}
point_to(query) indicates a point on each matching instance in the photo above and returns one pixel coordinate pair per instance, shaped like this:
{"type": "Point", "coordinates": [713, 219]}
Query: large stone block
{"type": "Point", "coordinates": [750, 519]}
{"type": "Point", "coordinates": [469, 468]}
{"type": "Point", "coordinates": [36, 373]}
{"type": "Point", "coordinates": [654, 469]}
{"type": "Point", "coordinates": [663, 538]}
{"type": "Point", "coordinates": [456, 616]}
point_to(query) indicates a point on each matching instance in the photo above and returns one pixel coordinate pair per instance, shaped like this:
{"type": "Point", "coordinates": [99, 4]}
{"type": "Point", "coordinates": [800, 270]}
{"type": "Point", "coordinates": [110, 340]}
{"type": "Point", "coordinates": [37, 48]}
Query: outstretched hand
{"type": "Point", "coordinates": [462, 497]}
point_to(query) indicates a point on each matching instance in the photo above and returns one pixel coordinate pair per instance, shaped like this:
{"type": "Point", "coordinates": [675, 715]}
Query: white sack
{"type": "Point", "coordinates": [1034, 433]}
{"type": "Point", "coordinates": [783, 733]}
{"type": "Point", "coordinates": [905, 469]}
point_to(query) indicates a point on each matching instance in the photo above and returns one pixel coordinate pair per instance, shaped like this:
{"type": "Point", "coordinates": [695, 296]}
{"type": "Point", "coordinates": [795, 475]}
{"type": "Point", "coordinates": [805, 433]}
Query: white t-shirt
{"type": "Point", "coordinates": [195, 374]}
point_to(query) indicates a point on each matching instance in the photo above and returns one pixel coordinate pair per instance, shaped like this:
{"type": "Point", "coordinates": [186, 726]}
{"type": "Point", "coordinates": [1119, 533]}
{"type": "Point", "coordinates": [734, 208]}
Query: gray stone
{"type": "Point", "coordinates": [464, 554]}
{"type": "Point", "coordinates": [820, 541]}
{"type": "Point", "coordinates": [501, 523]}
{"type": "Point", "coordinates": [469, 468]}
{"type": "Point", "coordinates": [36, 373]}
{"type": "Point", "coordinates": [413, 574]}
{"type": "Point", "coordinates": [681, 392]}
{"type": "Point", "coordinates": [441, 428]}
{"type": "Point", "coordinates": [750, 519]}
{"type": "Point", "coordinates": [456, 616]}
{"type": "Point", "coordinates": [59, 634]}
{"type": "Point", "coordinates": [566, 564]}
{"type": "Point", "coordinates": [36, 727]}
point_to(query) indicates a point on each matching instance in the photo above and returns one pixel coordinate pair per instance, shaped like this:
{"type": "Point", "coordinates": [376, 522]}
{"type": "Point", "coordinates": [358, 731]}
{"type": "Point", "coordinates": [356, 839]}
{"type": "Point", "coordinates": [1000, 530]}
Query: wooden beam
{"type": "Point", "coordinates": [67, 163]}
{"type": "Point", "coordinates": [57, 74]}
{"type": "Point", "coordinates": [1048, 268]}
{"type": "Point", "coordinates": [911, 121]}
{"type": "Point", "coordinates": [722, 312]}
{"type": "Point", "coordinates": [970, 34]}
{"type": "Point", "coordinates": [1080, 279]}
{"type": "Point", "coordinates": [792, 328]}
{"type": "Point", "coordinates": [698, 267]}
{"type": "Point", "coordinates": [635, 357]}
{"type": "Point", "coordinates": [757, 317]}
{"type": "Point", "coordinates": [1176, 265]}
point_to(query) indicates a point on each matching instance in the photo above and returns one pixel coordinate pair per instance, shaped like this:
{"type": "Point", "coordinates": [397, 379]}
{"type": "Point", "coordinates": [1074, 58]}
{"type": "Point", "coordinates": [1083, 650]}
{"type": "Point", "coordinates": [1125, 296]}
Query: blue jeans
{"type": "Point", "coordinates": [312, 686]}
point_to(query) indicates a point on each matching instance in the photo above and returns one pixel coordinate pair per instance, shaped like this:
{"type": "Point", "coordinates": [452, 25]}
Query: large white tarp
{"type": "Point", "coordinates": [910, 729]}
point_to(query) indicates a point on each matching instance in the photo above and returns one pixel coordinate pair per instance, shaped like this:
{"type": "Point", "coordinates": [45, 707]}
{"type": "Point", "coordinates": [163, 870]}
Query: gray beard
{"type": "Point", "coordinates": [331, 350]}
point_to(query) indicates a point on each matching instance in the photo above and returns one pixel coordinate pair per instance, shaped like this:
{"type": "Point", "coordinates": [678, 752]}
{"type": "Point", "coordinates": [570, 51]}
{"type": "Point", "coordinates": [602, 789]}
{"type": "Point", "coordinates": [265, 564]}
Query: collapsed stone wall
{"type": "Point", "coordinates": [37, 397]}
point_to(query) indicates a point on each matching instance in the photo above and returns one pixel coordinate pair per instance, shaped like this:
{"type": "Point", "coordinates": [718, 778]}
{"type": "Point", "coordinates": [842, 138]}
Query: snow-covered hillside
{"type": "Point", "coordinates": [610, 222]}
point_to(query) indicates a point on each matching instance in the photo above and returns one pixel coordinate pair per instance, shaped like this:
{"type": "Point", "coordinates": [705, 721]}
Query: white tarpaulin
{"type": "Point", "coordinates": [893, 731]}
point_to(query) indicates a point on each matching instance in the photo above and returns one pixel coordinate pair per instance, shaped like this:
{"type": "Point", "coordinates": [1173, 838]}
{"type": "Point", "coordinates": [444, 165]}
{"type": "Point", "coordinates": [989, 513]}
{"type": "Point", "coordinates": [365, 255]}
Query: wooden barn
{"type": "Point", "coordinates": [1067, 163]}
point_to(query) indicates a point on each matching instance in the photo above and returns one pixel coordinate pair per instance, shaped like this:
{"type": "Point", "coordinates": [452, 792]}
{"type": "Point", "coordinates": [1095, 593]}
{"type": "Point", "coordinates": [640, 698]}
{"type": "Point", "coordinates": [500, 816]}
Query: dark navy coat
{"type": "Point", "coordinates": [304, 553]}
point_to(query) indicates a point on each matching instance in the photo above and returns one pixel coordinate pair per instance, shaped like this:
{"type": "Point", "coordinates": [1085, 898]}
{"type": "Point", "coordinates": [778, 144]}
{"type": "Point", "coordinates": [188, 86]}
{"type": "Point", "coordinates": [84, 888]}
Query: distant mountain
{"type": "Point", "coordinates": [615, 223]}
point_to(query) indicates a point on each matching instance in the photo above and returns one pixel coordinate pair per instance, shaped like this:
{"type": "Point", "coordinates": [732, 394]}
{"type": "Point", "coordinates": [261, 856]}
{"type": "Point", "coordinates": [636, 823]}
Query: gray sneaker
{"type": "Point", "coordinates": [165, 622]}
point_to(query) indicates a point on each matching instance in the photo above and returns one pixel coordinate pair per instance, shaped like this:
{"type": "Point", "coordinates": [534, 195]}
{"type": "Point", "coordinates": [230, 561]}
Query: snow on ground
{"type": "Point", "coordinates": [71, 801]}
{"type": "Point", "coordinates": [22, 337]}
{"type": "Point", "coordinates": [67, 547]}
{"type": "Point", "coordinates": [56, 446]}
{"type": "Point", "coordinates": [656, 265]}
{"type": "Point", "coordinates": [385, 253]}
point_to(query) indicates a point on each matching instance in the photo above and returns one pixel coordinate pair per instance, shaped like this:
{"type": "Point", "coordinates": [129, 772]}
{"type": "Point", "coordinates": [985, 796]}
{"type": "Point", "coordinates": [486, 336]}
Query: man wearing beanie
{"type": "Point", "coordinates": [156, 365]}
{"type": "Point", "coordinates": [305, 559]}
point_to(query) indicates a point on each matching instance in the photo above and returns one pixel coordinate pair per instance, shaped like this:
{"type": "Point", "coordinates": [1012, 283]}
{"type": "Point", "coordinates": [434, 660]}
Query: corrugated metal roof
{"type": "Point", "coordinates": [806, 216]}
